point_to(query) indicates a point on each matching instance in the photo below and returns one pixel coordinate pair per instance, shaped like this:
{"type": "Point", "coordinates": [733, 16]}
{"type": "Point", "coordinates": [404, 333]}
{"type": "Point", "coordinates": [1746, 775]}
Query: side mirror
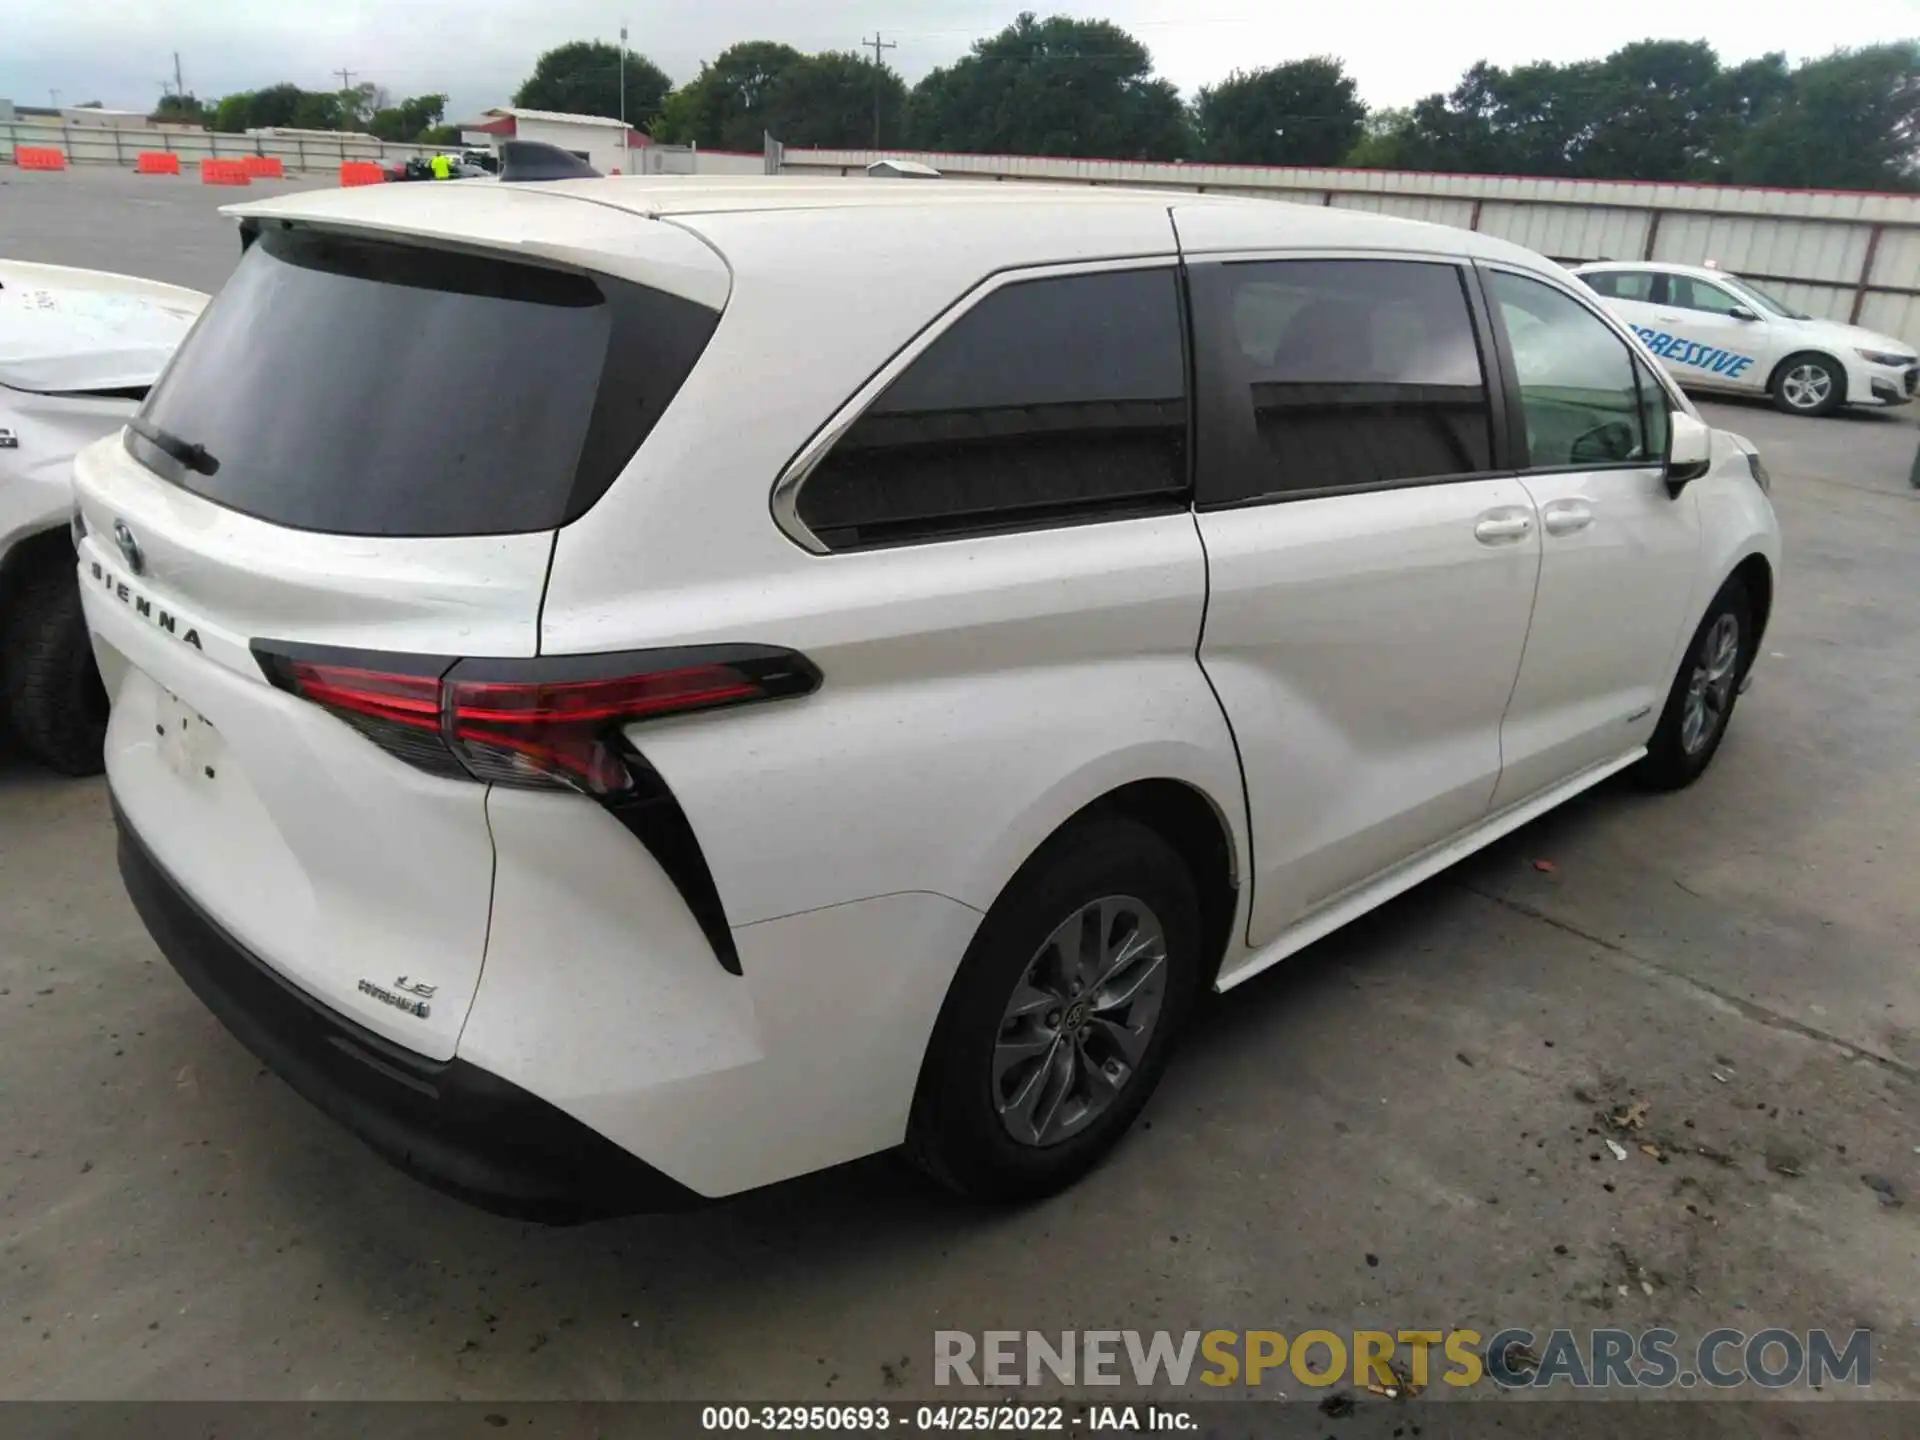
{"type": "Point", "coordinates": [1741, 312]}
{"type": "Point", "coordinates": [1689, 450]}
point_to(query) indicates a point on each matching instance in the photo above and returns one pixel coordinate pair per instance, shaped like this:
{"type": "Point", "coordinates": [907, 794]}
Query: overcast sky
{"type": "Point", "coordinates": [477, 51]}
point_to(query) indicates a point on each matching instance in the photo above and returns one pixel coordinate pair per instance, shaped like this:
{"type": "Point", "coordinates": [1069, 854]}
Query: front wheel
{"type": "Point", "coordinates": [1809, 385]}
{"type": "Point", "coordinates": [1059, 1022]}
{"type": "Point", "coordinates": [1702, 698]}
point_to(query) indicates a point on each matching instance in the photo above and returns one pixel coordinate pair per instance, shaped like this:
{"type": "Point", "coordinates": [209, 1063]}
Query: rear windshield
{"type": "Point", "coordinates": [365, 388]}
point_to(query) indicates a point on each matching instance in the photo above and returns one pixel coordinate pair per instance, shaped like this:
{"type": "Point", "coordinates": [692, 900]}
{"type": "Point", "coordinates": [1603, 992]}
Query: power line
{"type": "Point", "coordinates": [879, 72]}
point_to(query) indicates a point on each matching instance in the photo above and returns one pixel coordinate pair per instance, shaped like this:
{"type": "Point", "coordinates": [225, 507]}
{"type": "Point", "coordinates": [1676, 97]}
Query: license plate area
{"type": "Point", "coordinates": [189, 745]}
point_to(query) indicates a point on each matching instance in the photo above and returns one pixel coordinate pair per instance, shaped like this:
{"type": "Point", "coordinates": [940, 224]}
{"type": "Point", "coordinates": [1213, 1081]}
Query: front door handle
{"type": "Point", "coordinates": [1563, 517]}
{"type": "Point", "coordinates": [1497, 527]}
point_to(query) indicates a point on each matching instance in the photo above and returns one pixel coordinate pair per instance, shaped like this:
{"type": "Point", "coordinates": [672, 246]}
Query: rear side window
{"type": "Point", "coordinates": [1622, 284]}
{"type": "Point", "coordinates": [1049, 401]}
{"type": "Point", "coordinates": [1328, 375]}
{"type": "Point", "coordinates": [364, 388]}
{"type": "Point", "coordinates": [1691, 294]}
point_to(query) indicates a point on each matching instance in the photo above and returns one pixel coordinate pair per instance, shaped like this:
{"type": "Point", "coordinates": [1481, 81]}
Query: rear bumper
{"type": "Point", "coordinates": [449, 1123]}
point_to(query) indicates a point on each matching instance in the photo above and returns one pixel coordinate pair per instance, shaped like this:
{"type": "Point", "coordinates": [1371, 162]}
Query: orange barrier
{"type": "Point", "coordinates": [224, 172]}
{"type": "Point", "coordinates": [157, 162]}
{"type": "Point", "coordinates": [362, 172]}
{"type": "Point", "coordinates": [264, 167]}
{"type": "Point", "coordinates": [39, 157]}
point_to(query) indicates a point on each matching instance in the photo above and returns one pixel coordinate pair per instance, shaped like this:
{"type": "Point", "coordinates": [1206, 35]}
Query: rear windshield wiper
{"type": "Point", "coordinates": [194, 457]}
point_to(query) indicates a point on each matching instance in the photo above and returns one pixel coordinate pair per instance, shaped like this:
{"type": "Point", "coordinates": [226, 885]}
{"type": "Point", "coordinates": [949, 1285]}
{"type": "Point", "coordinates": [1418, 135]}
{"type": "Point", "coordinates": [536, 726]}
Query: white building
{"type": "Point", "coordinates": [95, 118]}
{"type": "Point", "coordinates": [607, 145]}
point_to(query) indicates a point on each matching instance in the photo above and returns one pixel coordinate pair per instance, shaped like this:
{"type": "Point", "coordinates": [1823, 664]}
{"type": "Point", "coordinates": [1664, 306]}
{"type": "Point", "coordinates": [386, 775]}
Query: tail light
{"type": "Point", "coordinates": [548, 723]}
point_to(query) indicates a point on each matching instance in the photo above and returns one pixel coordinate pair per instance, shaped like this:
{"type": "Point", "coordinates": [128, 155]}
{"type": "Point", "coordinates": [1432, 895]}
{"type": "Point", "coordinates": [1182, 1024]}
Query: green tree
{"type": "Point", "coordinates": [1743, 97]}
{"type": "Point", "coordinates": [1850, 121]}
{"type": "Point", "coordinates": [283, 105]}
{"type": "Point", "coordinates": [410, 119]}
{"type": "Point", "coordinates": [583, 78]}
{"type": "Point", "coordinates": [1651, 112]}
{"type": "Point", "coordinates": [359, 104]}
{"type": "Point", "coordinates": [1305, 112]}
{"type": "Point", "coordinates": [1531, 120]}
{"type": "Point", "coordinates": [1052, 87]}
{"type": "Point", "coordinates": [829, 101]}
{"type": "Point", "coordinates": [725, 106]}
{"type": "Point", "coordinates": [1378, 147]}
{"type": "Point", "coordinates": [180, 110]}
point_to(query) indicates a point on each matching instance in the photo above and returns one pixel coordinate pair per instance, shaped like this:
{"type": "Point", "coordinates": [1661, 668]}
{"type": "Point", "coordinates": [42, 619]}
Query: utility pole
{"type": "Point", "coordinates": [877, 45]}
{"type": "Point", "coordinates": [346, 77]}
{"type": "Point", "coordinates": [623, 79]}
{"type": "Point", "coordinates": [179, 87]}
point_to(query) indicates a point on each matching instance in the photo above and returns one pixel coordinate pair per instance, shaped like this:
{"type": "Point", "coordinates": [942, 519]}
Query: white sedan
{"type": "Point", "coordinates": [78, 349]}
{"type": "Point", "coordinates": [1715, 331]}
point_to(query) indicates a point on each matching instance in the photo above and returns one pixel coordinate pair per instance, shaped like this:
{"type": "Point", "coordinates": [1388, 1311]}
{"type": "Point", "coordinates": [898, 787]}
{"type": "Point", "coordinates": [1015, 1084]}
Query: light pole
{"type": "Point", "coordinates": [623, 80]}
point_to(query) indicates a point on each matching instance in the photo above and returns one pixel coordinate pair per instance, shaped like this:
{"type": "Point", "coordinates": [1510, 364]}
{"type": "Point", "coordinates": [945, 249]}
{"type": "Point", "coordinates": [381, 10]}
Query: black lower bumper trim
{"type": "Point", "coordinates": [456, 1127]}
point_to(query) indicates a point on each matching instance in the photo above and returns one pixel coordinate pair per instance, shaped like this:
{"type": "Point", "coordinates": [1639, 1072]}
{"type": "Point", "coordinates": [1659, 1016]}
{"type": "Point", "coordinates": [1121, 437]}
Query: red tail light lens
{"type": "Point", "coordinates": [543, 733]}
{"type": "Point", "coordinates": [545, 723]}
{"type": "Point", "coordinates": [395, 704]}
{"type": "Point", "coordinates": [409, 700]}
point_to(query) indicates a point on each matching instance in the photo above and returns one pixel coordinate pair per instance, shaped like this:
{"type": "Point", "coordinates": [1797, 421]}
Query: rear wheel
{"type": "Point", "coordinates": [1809, 384]}
{"type": "Point", "coordinates": [55, 702]}
{"type": "Point", "coordinates": [1058, 1025]}
{"type": "Point", "coordinates": [1702, 698]}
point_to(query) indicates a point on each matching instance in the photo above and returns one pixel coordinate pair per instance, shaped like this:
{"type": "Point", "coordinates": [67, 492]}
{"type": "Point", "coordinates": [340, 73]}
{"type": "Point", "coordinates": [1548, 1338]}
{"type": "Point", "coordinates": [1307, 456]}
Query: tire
{"type": "Point", "coordinates": [982, 1060]}
{"type": "Point", "coordinates": [54, 699]}
{"type": "Point", "coordinates": [1680, 751]}
{"type": "Point", "coordinates": [1797, 386]}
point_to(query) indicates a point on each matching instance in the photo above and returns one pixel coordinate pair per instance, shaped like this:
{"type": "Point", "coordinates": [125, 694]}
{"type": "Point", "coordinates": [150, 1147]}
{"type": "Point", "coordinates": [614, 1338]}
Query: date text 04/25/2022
{"type": "Point", "coordinates": [963, 1418]}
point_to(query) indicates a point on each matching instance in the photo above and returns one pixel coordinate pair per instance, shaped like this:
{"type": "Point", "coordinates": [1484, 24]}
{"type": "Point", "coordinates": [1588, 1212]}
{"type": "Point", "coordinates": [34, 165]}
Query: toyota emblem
{"type": "Point", "coordinates": [129, 548]}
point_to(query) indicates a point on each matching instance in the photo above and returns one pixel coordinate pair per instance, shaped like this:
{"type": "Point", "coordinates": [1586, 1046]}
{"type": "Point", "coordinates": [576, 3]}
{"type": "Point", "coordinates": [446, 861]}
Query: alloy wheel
{"type": "Point", "coordinates": [1710, 687]}
{"type": "Point", "coordinates": [1077, 1026]}
{"type": "Point", "coordinates": [1807, 386]}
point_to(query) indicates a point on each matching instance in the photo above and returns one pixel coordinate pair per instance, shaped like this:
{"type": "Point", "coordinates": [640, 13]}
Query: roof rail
{"type": "Point", "coordinates": [523, 160]}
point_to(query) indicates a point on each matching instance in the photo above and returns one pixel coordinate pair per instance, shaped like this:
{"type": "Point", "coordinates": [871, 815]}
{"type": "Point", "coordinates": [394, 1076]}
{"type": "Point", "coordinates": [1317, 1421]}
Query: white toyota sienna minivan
{"type": "Point", "coordinates": [628, 690]}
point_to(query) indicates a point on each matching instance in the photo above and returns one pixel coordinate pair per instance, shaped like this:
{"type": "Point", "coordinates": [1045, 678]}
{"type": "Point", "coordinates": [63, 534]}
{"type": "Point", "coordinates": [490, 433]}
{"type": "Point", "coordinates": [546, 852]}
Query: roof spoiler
{"type": "Point", "coordinates": [523, 160]}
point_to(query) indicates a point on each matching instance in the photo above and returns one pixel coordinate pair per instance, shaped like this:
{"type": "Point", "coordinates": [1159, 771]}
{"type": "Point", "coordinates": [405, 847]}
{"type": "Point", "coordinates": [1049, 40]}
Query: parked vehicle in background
{"type": "Point", "coordinates": [1715, 331]}
{"type": "Point", "coordinates": [420, 167]}
{"type": "Point", "coordinates": [78, 349]}
{"type": "Point", "coordinates": [601, 786]}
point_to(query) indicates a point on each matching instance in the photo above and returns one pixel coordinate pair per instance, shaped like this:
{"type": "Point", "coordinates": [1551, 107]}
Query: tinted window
{"type": "Point", "coordinates": [1578, 390]}
{"type": "Point", "coordinates": [1622, 284]}
{"type": "Point", "coordinates": [1655, 408]}
{"type": "Point", "coordinates": [373, 389]}
{"type": "Point", "coordinates": [1691, 294]}
{"type": "Point", "coordinates": [1330, 374]}
{"type": "Point", "coordinates": [1048, 401]}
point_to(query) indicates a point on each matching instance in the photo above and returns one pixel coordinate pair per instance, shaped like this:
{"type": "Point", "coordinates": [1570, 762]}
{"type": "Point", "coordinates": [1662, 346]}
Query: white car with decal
{"type": "Point", "coordinates": [78, 349]}
{"type": "Point", "coordinates": [1716, 331]}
